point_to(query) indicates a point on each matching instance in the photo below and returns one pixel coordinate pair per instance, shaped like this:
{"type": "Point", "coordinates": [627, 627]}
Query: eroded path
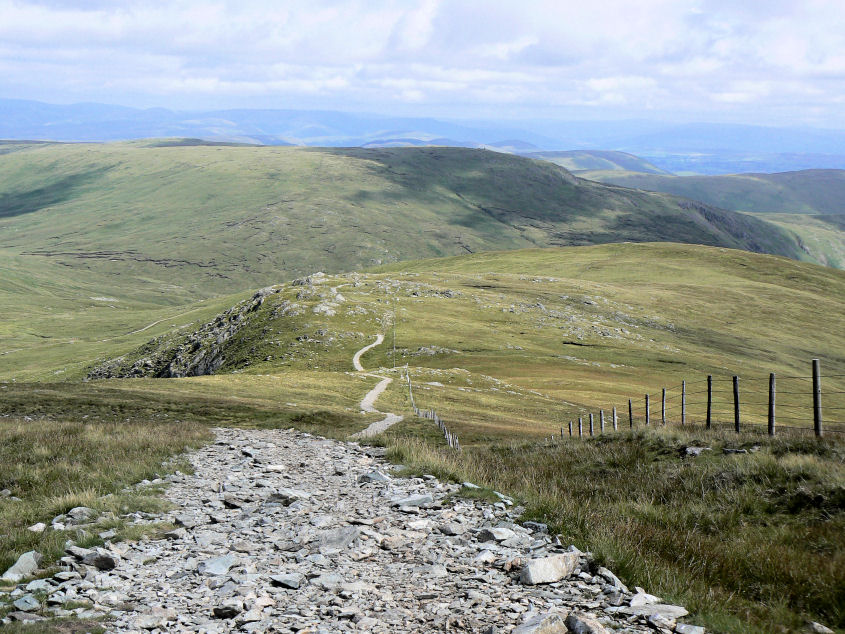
{"type": "Point", "coordinates": [368, 402]}
{"type": "Point", "coordinates": [280, 531]}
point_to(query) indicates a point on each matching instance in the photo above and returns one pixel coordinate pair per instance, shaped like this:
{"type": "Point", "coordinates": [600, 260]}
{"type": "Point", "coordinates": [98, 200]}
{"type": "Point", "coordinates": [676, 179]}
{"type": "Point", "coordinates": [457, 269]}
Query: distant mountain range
{"type": "Point", "coordinates": [696, 148]}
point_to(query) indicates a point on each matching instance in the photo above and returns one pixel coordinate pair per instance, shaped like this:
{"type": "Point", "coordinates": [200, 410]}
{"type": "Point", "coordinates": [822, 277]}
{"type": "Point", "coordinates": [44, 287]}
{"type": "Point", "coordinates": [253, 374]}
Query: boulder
{"type": "Point", "coordinates": [547, 623]}
{"type": "Point", "coordinates": [549, 569]}
{"type": "Point", "coordinates": [580, 623]}
{"type": "Point", "coordinates": [25, 566]}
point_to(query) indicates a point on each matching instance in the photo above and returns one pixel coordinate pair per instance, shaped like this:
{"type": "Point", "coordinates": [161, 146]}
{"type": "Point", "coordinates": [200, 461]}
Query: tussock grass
{"type": "Point", "coordinates": [750, 543]}
{"type": "Point", "coordinates": [55, 465]}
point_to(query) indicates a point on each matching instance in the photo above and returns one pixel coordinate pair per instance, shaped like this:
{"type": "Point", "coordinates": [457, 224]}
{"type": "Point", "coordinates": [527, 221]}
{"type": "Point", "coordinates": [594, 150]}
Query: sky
{"type": "Point", "coordinates": [771, 62]}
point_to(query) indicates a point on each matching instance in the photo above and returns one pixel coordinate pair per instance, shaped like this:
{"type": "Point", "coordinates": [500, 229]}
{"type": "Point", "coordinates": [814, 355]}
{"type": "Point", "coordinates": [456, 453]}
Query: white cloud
{"type": "Point", "coordinates": [616, 57]}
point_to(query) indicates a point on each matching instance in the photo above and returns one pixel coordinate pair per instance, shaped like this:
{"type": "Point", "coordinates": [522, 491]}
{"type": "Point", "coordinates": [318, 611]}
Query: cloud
{"type": "Point", "coordinates": [692, 58]}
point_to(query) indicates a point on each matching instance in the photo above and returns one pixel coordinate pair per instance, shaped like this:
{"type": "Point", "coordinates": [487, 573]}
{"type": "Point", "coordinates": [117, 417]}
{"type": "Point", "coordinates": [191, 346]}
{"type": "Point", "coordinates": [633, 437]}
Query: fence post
{"type": "Point", "coordinates": [772, 404]}
{"type": "Point", "coordinates": [580, 427]}
{"type": "Point", "coordinates": [601, 420]}
{"type": "Point", "coordinates": [709, 399]}
{"type": "Point", "coordinates": [684, 402]}
{"type": "Point", "coordinates": [817, 398]}
{"type": "Point", "coordinates": [615, 425]}
{"type": "Point", "coordinates": [591, 423]}
{"type": "Point", "coordinates": [630, 414]}
{"type": "Point", "coordinates": [736, 403]}
{"type": "Point", "coordinates": [647, 411]}
{"type": "Point", "coordinates": [570, 429]}
{"type": "Point", "coordinates": [663, 408]}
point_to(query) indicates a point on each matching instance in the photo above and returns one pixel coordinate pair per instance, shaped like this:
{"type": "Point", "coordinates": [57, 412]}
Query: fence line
{"type": "Point", "coordinates": [451, 439]}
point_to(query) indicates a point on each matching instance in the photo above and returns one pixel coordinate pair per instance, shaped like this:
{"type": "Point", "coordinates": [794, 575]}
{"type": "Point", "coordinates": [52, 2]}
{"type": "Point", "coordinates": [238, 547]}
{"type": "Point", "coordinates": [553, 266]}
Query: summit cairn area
{"type": "Point", "coordinates": [280, 531]}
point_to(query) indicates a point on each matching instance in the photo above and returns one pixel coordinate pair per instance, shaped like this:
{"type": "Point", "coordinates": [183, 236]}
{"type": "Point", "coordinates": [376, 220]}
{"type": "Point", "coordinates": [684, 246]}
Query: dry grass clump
{"type": "Point", "coordinates": [55, 465]}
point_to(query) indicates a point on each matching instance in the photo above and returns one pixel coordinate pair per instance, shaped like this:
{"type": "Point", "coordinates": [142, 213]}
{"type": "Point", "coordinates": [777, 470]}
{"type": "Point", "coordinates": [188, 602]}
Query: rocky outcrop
{"type": "Point", "coordinates": [200, 353]}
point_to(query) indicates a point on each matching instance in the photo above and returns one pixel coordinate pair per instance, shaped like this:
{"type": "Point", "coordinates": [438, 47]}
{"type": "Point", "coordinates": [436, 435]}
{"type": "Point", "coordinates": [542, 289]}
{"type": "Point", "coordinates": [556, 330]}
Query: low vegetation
{"type": "Point", "coordinates": [751, 542]}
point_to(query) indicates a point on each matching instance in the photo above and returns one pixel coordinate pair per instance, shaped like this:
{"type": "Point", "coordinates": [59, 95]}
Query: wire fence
{"type": "Point", "coordinates": [763, 404]}
{"type": "Point", "coordinates": [766, 404]}
{"type": "Point", "coordinates": [451, 439]}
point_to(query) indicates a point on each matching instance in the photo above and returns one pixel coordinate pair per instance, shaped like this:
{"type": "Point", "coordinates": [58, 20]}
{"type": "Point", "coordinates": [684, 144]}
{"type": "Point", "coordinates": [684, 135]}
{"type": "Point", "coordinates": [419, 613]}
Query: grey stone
{"type": "Point", "coordinates": [612, 579]}
{"type": "Point", "coordinates": [291, 580]}
{"type": "Point", "coordinates": [643, 598]}
{"type": "Point", "coordinates": [329, 582]}
{"type": "Point", "coordinates": [25, 566]}
{"type": "Point", "coordinates": [216, 566]}
{"type": "Point", "coordinates": [495, 534]}
{"type": "Point", "coordinates": [663, 609]}
{"type": "Point", "coordinates": [373, 476]}
{"type": "Point", "coordinates": [452, 528]}
{"type": "Point", "coordinates": [818, 628]}
{"type": "Point", "coordinates": [288, 496]}
{"type": "Point", "coordinates": [40, 527]}
{"type": "Point", "coordinates": [536, 527]}
{"type": "Point", "coordinates": [39, 585]}
{"type": "Point", "coordinates": [413, 501]}
{"type": "Point", "coordinates": [338, 538]}
{"type": "Point", "coordinates": [100, 560]}
{"type": "Point", "coordinates": [27, 603]}
{"type": "Point", "coordinates": [81, 514]}
{"type": "Point", "coordinates": [549, 569]}
{"type": "Point", "coordinates": [228, 610]}
{"type": "Point", "coordinates": [24, 617]}
{"type": "Point", "coordinates": [548, 623]}
{"type": "Point", "coordinates": [684, 628]}
{"type": "Point", "coordinates": [580, 623]}
{"type": "Point", "coordinates": [658, 621]}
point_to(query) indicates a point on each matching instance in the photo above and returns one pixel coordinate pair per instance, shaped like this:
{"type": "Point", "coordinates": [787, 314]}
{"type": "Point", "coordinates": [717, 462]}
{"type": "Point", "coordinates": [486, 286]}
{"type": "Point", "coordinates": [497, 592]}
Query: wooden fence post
{"type": "Point", "coordinates": [663, 408]}
{"type": "Point", "coordinates": [736, 403]}
{"type": "Point", "coordinates": [817, 398]}
{"type": "Point", "coordinates": [647, 411]}
{"type": "Point", "coordinates": [684, 402]}
{"type": "Point", "coordinates": [772, 404]}
{"type": "Point", "coordinates": [615, 425]}
{"type": "Point", "coordinates": [630, 414]}
{"type": "Point", "coordinates": [709, 399]}
{"type": "Point", "coordinates": [570, 429]}
{"type": "Point", "coordinates": [601, 420]}
{"type": "Point", "coordinates": [591, 423]}
{"type": "Point", "coordinates": [580, 427]}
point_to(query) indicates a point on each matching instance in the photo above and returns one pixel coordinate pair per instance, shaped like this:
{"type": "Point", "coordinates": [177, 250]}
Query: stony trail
{"type": "Point", "coordinates": [368, 402]}
{"type": "Point", "coordinates": [280, 531]}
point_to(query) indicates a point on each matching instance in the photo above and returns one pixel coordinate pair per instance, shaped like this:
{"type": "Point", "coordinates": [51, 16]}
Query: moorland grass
{"type": "Point", "coordinates": [55, 465]}
{"type": "Point", "coordinates": [749, 543]}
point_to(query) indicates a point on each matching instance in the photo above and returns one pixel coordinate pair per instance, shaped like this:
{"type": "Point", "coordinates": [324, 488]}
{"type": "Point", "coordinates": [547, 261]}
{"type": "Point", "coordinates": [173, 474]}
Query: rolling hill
{"type": "Point", "coordinates": [802, 192]}
{"type": "Point", "coordinates": [201, 220]}
{"type": "Point", "coordinates": [590, 161]}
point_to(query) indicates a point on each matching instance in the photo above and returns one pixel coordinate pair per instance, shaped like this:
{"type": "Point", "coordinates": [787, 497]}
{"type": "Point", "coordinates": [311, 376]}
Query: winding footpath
{"type": "Point", "coordinates": [368, 402]}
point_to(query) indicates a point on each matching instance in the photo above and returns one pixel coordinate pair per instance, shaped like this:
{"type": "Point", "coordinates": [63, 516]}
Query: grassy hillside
{"type": "Point", "coordinates": [802, 192]}
{"type": "Point", "coordinates": [509, 347]}
{"type": "Point", "coordinates": [597, 160]}
{"type": "Point", "coordinates": [587, 327]}
{"type": "Point", "coordinates": [198, 220]}
{"type": "Point", "coordinates": [822, 237]}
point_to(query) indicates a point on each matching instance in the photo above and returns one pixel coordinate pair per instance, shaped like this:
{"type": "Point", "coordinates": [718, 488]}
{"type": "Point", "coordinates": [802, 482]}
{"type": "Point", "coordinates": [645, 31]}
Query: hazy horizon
{"type": "Point", "coordinates": [776, 64]}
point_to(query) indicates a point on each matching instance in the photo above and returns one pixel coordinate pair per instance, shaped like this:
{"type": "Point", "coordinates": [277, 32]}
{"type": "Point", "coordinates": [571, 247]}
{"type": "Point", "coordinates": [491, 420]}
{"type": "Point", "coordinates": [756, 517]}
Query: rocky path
{"type": "Point", "coordinates": [368, 402]}
{"type": "Point", "coordinates": [279, 531]}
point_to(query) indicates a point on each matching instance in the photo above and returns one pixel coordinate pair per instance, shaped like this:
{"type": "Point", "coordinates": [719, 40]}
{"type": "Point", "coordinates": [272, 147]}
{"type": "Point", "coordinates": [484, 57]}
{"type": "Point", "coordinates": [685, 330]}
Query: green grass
{"type": "Point", "coordinates": [801, 192]}
{"type": "Point", "coordinates": [578, 161]}
{"type": "Point", "coordinates": [54, 465]}
{"type": "Point", "coordinates": [523, 342]}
